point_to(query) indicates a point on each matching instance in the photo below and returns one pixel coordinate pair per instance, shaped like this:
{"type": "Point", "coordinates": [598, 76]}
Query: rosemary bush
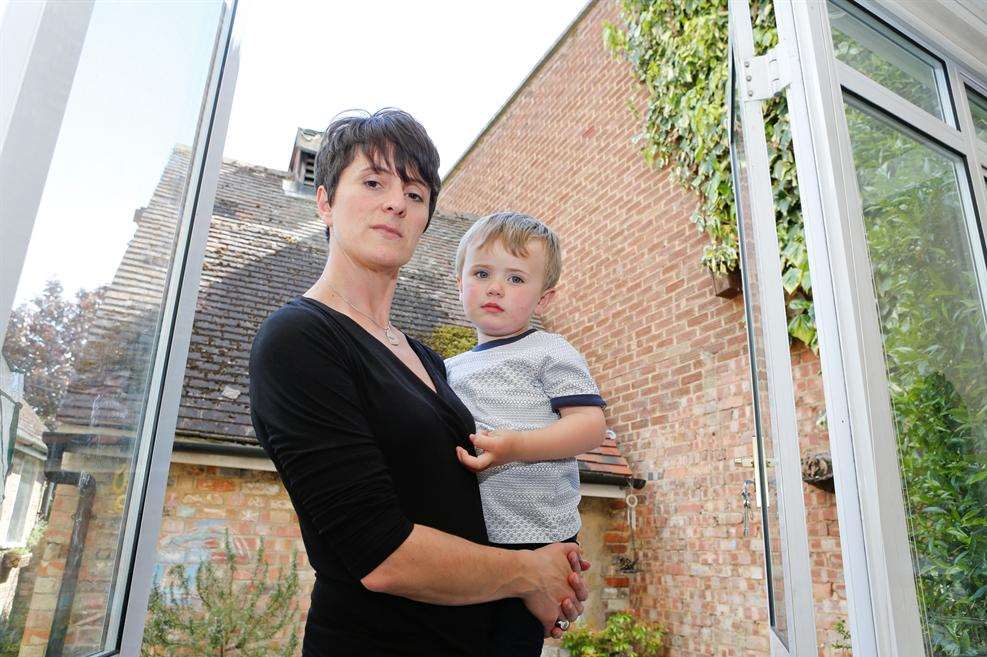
{"type": "Point", "coordinates": [219, 613]}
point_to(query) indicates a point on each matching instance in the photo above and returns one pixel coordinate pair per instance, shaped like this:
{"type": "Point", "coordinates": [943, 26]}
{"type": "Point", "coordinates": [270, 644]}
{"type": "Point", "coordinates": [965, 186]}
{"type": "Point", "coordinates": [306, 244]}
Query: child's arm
{"type": "Point", "coordinates": [578, 430]}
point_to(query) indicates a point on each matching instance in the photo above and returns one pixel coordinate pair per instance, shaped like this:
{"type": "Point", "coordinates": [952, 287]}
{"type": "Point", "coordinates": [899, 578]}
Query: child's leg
{"type": "Point", "coordinates": [516, 632]}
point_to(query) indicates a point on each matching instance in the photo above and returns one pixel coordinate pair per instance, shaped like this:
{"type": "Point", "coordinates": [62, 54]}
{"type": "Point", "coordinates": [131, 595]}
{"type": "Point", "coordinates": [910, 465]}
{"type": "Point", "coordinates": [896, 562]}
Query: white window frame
{"type": "Point", "coordinates": [31, 118]}
{"type": "Point", "coordinates": [882, 602]}
{"type": "Point", "coordinates": [790, 529]}
{"type": "Point", "coordinates": [127, 618]}
{"type": "Point", "coordinates": [40, 45]}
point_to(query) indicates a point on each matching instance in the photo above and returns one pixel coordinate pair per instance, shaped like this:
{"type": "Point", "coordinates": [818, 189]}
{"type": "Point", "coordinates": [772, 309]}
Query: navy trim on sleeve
{"type": "Point", "coordinates": [577, 400]}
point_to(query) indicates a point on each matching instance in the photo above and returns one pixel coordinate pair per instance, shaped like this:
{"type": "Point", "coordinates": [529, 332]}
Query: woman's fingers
{"type": "Point", "coordinates": [577, 562]}
{"type": "Point", "coordinates": [571, 610]}
{"type": "Point", "coordinates": [579, 586]}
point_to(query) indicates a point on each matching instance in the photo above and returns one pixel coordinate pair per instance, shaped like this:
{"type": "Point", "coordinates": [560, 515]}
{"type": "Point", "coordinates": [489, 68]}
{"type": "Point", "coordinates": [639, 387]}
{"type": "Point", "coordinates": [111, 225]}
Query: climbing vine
{"type": "Point", "coordinates": [677, 50]}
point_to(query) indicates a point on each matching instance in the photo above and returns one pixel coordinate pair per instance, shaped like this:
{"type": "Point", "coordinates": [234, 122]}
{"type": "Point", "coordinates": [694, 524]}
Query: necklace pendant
{"type": "Point", "coordinates": [391, 337]}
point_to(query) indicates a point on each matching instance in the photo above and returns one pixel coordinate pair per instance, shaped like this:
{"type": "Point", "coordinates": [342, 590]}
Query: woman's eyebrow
{"type": "Point", "coordinates": [372, 168]}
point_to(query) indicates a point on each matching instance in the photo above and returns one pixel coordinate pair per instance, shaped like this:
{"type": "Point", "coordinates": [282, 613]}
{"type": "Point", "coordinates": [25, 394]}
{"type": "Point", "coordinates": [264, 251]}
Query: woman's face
{"type": "Point", "coordinates": [375, 218]}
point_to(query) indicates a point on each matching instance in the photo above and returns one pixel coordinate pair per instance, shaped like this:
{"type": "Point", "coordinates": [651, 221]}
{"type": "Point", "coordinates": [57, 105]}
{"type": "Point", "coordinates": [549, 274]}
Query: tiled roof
{"type": "Point", "coordinates": [30, 428]}
{"type": "Point", "coordinates": [265, 246]}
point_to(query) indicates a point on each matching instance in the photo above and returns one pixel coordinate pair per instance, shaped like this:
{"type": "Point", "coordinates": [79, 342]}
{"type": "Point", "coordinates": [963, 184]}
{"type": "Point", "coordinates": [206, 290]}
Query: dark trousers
{"type": "Point", "coordinates": [516, 631]}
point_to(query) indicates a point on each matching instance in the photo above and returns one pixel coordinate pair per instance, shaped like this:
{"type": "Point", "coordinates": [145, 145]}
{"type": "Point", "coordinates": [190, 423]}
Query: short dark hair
{"type": "Point", "coordinates": [389, 137]}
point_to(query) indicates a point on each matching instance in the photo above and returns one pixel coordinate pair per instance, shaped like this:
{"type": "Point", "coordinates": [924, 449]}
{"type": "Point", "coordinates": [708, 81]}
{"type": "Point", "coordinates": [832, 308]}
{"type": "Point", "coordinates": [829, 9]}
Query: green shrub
{"type": "Point", "coordinates": [218, 613]}
{"type": "Point", "coordinates": [449, 340]}
{"type": "Point", "coordinates": [623, 636]}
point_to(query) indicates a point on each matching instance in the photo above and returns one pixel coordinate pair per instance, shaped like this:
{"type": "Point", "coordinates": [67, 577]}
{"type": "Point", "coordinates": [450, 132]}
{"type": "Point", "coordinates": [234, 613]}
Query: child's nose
{"type": "Point", "coordinates": [495, 288]}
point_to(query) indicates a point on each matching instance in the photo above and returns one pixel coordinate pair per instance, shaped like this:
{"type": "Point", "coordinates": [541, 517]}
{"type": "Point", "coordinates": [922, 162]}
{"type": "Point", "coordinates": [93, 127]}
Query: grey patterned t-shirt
{"type": "Point", "coordinates": [520, 383]}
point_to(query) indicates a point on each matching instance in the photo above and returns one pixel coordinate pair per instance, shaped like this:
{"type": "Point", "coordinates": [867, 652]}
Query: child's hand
{"type": "Point", "coordinates": [494, 448]}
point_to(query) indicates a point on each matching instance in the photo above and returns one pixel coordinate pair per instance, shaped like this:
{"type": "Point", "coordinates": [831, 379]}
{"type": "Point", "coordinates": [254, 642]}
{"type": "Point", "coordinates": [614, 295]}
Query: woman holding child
{"type": "Point", "coordinates": [371, 441]}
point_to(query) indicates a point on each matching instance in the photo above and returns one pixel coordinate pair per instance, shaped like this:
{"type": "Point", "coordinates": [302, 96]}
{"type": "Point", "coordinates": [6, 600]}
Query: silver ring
{"type": "Point", "coordinates": [562, 625]}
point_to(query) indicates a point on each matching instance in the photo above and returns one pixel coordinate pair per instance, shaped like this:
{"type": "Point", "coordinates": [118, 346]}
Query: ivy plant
{"type": "Point", "coordinates": [677, 50]}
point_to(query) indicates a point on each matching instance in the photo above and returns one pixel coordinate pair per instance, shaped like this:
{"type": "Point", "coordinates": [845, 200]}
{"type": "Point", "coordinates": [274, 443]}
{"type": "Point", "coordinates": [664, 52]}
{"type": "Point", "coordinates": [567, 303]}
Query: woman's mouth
{"type": "Point", "coordinates": [387, 231]}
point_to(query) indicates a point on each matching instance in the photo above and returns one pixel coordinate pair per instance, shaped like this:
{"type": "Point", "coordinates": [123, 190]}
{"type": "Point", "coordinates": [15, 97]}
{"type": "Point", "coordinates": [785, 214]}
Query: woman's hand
{"type": "Point", "coordinates": [557, 590]}
{"type": "Point", "coordinates": [493, 447]}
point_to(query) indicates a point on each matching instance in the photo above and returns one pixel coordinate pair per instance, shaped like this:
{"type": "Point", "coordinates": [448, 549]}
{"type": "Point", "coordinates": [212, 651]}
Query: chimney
{"type": "Point", "coordinates": [302, 165]}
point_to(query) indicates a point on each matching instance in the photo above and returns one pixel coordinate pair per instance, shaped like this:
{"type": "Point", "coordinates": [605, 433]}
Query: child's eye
{"type": "Point", "coordinates": [479, 273]}
{"type": "Point", "coordinates": [517, 280]}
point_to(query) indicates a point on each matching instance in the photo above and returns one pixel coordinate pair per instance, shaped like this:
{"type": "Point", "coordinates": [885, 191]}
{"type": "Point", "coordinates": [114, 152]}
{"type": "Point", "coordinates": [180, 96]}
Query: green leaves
{"type": "Point", "coordinates": [623, 636]}
{"type": "Point", "coordinates": [449, 340]}
{"type": "Point", "coordinates": [678, 52]}
{"type": "Point", "coordinates": [221, 611]}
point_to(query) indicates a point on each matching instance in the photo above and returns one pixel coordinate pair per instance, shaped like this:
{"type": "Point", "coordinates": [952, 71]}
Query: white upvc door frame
{"type": "Point", "coordinates": [139, 554]}
{"type": "Point", "coordinates": [45, 64]}
{"type": "Point", "coordinates": [783, 426]}
{"type": "Point", "coordinates": [881, 596]}
{"type": "Point", "coordinates": [40, 46]}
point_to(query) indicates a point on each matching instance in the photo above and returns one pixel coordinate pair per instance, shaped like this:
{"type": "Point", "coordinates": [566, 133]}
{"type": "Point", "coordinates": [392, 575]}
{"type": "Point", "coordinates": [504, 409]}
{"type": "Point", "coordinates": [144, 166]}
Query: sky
{"type": "Point", "coordinates": [139, 85]}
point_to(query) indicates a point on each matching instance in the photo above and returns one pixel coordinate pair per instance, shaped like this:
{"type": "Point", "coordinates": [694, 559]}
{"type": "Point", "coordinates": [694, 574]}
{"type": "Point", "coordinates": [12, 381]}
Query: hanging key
{"type": "Point", "coordinates": [745, 494]}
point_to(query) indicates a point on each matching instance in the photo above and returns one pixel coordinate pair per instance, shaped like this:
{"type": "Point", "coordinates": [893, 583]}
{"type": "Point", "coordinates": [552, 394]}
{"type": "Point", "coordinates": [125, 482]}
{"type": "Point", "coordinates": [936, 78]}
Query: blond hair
{"type": "Point", "coordinates": [514, 230]}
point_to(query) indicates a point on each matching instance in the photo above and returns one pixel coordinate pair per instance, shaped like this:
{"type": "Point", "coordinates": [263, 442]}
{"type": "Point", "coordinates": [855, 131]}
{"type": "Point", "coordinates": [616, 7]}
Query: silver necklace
{"type": "Point", "coordinates": [389, 331]}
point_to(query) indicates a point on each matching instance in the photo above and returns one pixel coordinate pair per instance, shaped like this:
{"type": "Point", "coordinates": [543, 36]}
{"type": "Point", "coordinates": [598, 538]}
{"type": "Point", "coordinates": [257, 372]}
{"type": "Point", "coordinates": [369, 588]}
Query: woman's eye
{"type": "Point", "coordinates": [372, 184]}
{"type": "Point", "coordinates": [416, 197]}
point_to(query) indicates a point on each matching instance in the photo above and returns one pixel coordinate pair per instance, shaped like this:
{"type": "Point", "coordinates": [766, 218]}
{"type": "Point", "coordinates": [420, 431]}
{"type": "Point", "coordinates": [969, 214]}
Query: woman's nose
{"type": "Point", "coordinates": [396, 203]}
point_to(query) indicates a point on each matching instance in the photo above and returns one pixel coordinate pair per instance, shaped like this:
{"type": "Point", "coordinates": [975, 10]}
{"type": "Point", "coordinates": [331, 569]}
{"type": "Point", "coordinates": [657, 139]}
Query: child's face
{"type": "Point", "coordinates": [500, 292]}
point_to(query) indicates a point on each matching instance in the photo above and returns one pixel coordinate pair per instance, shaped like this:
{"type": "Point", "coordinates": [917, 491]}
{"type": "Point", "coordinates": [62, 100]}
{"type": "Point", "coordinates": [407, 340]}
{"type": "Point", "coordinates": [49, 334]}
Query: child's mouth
{"type": "Point", "coordinates": [492, 307]}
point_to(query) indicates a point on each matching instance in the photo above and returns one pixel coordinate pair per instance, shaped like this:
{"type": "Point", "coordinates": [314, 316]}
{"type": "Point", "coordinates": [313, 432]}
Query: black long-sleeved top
{"type": "Point", "coordinates": [365, 450]}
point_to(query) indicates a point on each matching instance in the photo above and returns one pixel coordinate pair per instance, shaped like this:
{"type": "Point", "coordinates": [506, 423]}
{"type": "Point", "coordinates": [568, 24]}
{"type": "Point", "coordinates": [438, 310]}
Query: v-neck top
{"type": "Point", "coordinates": [365, 450]}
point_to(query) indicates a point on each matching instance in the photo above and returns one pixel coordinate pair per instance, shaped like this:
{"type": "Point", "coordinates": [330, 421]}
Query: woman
{"type": "Point", "coordinates": [362, 428]}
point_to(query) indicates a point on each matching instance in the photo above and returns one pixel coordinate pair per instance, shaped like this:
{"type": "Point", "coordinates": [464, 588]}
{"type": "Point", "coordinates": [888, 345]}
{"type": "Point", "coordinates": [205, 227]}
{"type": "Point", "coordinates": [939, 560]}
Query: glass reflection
{"type": "Point", "coordinates": [916, 208]}
{"type": "Point", "coordinates": [886, 58]}
{"type": "Point", "coordinates": [79, 351]}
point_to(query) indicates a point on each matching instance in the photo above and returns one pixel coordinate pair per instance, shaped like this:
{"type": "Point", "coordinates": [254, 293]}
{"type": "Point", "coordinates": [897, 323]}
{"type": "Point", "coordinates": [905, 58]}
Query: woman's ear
{"type": "Point", "coordinates": [545, 301]}
{"type": "Point", "coordinates": [323, 205]}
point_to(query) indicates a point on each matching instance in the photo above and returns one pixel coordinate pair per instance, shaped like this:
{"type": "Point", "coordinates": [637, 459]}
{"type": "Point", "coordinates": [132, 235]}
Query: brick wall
{"type": "Point", "coordinates": [202, 503]}
{"type": "Point", "coordinates": [670, 357]}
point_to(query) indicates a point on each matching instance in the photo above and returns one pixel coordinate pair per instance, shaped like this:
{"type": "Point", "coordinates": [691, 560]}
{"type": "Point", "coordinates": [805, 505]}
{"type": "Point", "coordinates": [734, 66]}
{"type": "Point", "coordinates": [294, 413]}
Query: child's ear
{"type": "Point", "coordinates": [459, 286]}
{"type": "Point", "coordinates": [545, 301]}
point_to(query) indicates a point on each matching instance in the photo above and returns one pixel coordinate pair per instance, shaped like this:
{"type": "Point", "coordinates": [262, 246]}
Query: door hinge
{"type": "Point", "coordinates": [768, 74]}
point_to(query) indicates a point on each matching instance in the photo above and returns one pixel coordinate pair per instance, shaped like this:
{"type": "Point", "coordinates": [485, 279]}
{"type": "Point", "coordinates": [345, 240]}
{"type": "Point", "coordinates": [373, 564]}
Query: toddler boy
{"type": "Point", "coordinates": [531, 394]}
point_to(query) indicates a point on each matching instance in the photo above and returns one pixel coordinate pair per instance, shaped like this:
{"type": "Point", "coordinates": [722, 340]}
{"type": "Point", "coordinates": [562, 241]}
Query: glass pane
{"type": "Point", "coordinates": [978, 109]}
{"type": "Point", "coordinates": [885, 57]}
{"type": "Point", "coordinates": [769, 519]}
{"type": "Point", "coordinates": [88, 312]}
{"type": "Point", "coordinates": [916, 209]}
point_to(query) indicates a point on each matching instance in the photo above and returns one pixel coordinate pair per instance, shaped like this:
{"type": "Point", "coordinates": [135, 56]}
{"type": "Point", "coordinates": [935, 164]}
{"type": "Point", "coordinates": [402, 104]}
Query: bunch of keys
{"type": "Point", "coordinates": [745, 494]}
